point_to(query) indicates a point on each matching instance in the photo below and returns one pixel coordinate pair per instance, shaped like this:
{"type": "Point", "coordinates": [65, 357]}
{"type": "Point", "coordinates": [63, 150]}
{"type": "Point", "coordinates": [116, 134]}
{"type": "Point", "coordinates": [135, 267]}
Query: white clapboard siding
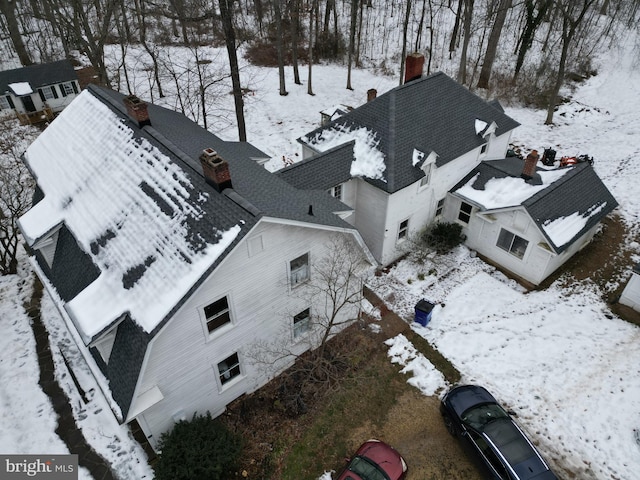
{"type": "Point", "coordinates": [182, 359]}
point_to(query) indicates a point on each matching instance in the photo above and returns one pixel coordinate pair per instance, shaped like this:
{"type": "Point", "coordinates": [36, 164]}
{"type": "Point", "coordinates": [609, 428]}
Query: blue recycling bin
{"type": "Point", "coordinates": [423, 310]}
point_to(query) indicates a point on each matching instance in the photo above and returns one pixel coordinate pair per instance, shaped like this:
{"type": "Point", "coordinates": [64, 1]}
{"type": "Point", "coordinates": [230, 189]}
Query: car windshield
{"type": "Point", "coordinates": [480, 415]}
{"type": "Point", "coordinates": [367, 469]}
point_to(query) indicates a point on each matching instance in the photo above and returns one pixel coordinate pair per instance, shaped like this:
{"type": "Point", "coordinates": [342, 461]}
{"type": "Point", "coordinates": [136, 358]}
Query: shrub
{"type": "Point", "coordinates": [442, 236]}
{"type": "Point", "coordinates": [202, 448]}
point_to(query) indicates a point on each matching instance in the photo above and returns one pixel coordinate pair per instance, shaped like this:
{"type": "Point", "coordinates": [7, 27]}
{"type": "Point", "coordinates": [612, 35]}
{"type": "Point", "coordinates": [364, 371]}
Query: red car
{"type": "Point", "coordinates": [375, 460]}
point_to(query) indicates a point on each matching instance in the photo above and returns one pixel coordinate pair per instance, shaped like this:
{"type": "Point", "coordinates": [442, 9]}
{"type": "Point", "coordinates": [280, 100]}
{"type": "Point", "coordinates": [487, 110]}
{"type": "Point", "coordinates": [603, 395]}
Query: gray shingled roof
{"type": "Point", "coordinates": [434, 113]}
{"type": "Point", "coordinates": [580, 190]}
{"type": "Point", "coordinates": [322, 171]}
{"type": "Point", "coordinates": [38, 75]}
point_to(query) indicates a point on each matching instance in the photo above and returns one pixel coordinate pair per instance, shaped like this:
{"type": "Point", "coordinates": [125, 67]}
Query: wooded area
{"type": "Point", "coordinates": [514, 49]}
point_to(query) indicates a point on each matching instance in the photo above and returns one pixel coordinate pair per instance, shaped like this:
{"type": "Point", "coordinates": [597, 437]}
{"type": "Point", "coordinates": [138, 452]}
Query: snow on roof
{"type": "Point", "coordinates": [368, 161]}
{"type": "Point", "coordinates": [21, 88]}
{"type": "Point", "coordinates": [562, 230]}
{"type": "Point", "coordinates": [508, 191]}
{"type": "Point", "coordinates": [96, 180]}
{"type": "Point", "coordinates": [417, 157]}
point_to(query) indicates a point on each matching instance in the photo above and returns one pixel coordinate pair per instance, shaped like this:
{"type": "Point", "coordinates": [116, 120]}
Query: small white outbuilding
{"type": "Point", "coordinates": [631, 294]}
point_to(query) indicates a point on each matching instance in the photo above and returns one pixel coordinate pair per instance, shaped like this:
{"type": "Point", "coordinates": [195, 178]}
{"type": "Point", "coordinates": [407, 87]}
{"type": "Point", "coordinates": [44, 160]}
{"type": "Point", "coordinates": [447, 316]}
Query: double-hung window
{"type": "Point", "coordinates": [229, 368]}
{"type": "Point", "coordinates": [336, 191]}
{"type": "Point", "coordinates": [464, 215]}
{"type": "Point", "coordinates": [301, 323]}
{"type": "Point", "coordinates": [48, 93]}
{"type": "Point", "coordinates": [217, 314]}
{"type": "Point", "coordinates": [512, 243]}
{"type": "Point", "coordinates": [439, 207]}
{"type": "Point", "coordinates": [67, 88]}
{"type": "Point", "coordinates": [4, 103]}
{"type": "Point", "coordinates": [299, 269]}
{"type": "Point", "coordinates": [403, 230]}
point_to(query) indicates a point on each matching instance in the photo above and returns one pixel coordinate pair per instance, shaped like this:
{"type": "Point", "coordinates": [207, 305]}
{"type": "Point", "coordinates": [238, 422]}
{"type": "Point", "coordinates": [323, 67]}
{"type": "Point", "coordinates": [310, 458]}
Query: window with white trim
{"type": "Point", "coordinates": [336, 191]}
{"type": "Point", "coordinates": [217, 314]}
{"type": "Point", "coordinates": [424, 181]}
{"type": "Point", "coordinates": [483, 149]}
{"type": "Point", "coordinates": [4, 103]}
{"type": "Point", "coordinates": [48, 93]}
{"type": "Point", "coordinates": [439, 207]}
{"type": "Point", "coordinates": [464, 215]}
{"type": "Point", "coordinates": [67, 89]}
{"type": "Point", "coordinates": [299, 269]}
{"type": "Point", "coordinates": [229, 368]}
{"type": "Point", "coordinates": [301, 323]}
{"type": "Point", "coordinates": [403, 230]}
{"type": "Point", "coordinates": [512, 243]}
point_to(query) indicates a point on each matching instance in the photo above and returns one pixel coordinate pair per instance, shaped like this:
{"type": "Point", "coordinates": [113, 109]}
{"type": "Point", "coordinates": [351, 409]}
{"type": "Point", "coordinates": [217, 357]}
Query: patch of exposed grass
{"type": "Point", "coordinates": [362, 399]}
{"type": "Point", "coordinates": [451, 374]}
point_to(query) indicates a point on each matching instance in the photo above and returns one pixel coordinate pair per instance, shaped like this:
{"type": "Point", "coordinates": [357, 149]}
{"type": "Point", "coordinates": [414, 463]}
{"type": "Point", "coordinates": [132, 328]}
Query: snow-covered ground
{"type": "Point", "coordinates": [557, 357]}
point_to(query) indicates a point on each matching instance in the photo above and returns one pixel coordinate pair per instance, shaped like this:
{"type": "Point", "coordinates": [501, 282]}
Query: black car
{"type": "Point", "coordinates": [471, 413]}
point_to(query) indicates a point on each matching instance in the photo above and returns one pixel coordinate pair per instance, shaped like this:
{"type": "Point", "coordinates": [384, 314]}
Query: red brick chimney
{"type": "Point", "coordinates": [413, 67]}
{"type": "Point", "coordinates": [215, 169]}
{"type": "Point", "coordinates": [137, 110]}
{"type": "Point", "coordinates": [371, 94]}
{"type": "Point", "coordinates": [530, 163]}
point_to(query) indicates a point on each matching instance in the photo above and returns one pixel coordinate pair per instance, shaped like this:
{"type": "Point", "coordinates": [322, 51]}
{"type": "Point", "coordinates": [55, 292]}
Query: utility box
{"type": "Point", "coordinates": [423, 311]}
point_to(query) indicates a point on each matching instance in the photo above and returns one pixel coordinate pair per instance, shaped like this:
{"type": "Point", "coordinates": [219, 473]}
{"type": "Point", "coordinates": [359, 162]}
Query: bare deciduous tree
{"type": "Point", "coordinates": [16, 188]}
{"type": "Point", "coordinates": [492, 44]}
{"type": "Point", "coordinates": [334, 294]}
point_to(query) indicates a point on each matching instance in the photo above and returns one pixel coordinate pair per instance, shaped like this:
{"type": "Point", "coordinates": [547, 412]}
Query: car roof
{"type": "Point", "coordinates": [466, 396]}
{"type": "Point", "coordinates": [515, 448]}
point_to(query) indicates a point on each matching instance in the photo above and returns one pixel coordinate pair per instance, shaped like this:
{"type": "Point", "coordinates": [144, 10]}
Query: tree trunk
{"type": "Point", "coordinates": [456, 28]}
{"type": "Point", "coordinates": [492, 44]}
{"type": "Point", "coordinates": [314, 5]}
{"type": "Point", "coordinates": [277, 10]}
{"type": "Point", "coordinates": [8, 9]}
{"type": "Point", "coordinates": [295, 20]}
{"type": "Point", "coordinates": [531, 26]}
{"type": "Point", "coordinates": [226, 15]}
{"type": "Point", "coordinates": [352, 40]}
{"type": "Point", "coordinates": [405, 28]}
{"type": "Point", "coordinates": [468, 16]}
{"type": "Point", "coordinates": [569, 27]}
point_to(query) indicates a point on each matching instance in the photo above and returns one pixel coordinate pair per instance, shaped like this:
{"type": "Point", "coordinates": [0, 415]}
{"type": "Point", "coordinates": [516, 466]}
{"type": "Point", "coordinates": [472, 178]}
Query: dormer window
{"type": "Point", "coordinates": [336, 191]}
{"type": "Point", "coordinates": [483, 149]}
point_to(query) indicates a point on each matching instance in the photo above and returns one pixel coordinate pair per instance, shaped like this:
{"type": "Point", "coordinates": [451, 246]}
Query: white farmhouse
{"type": "Point", "coordinates": [397, 162]}
{"type": "Point", "coordinates": [393, 159]}
{"type": "Point", "coordinates": [171, 253]}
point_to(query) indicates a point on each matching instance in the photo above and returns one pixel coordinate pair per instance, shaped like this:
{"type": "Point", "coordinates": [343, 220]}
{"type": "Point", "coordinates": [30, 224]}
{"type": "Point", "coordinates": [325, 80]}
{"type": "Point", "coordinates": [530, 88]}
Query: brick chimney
{"type": "Point", "coordinates": [137, 110]}
{"type": "Point", "coordinates": [371, 94]}
{"type": "Point", "coordinates": [215, 169]}
{"type": "Point", "coordinates": [413, 67]}
{"type": "Point", "coordinates": [530, 163]}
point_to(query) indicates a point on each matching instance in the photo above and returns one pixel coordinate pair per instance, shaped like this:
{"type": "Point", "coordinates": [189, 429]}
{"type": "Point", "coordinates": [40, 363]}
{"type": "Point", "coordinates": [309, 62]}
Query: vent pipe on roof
{"type": "Point", "coordinates": [215, 169]}
{"type": "Point", "coordinates": [311, 210]}
{"type": "Point", "coordinates": [413, 67]}
{"type": "Point", "coordinates": [530, 163]}
{"type": "Point", "coordinates": [137, 110]}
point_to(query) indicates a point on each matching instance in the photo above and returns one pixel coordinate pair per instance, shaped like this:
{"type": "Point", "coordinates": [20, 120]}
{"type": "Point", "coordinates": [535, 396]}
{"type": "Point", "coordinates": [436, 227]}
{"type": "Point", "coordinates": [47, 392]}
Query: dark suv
{"type": "Point", "coordinates": [471, 413]}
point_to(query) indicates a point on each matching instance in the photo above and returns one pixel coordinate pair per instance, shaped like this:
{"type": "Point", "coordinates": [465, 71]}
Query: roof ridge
{"type": "Point", "coordinates": [557, 183]}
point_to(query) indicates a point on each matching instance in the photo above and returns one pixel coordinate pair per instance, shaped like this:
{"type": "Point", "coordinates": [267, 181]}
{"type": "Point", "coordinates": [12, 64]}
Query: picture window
{"type": "Point", "coordinates": [512, 243]}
